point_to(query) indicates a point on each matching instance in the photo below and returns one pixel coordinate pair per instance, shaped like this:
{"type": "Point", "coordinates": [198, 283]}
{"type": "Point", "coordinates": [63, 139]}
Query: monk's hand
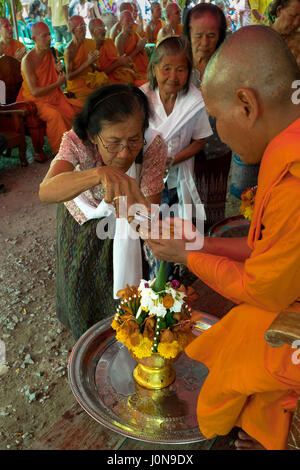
{"type": "Point", "coordinates": [122, 191]}
{"type": "Point", "coordinates": [141, 43]}
{"type": "Point", "coordinates": [59, 67]}
{"type": "Point", "coordinates": [92, 56]}
{"type": "Point", "coordinates": [19, 54]}
{"type": "Point", "coordinates": [125, 60]}
{"type": "Point", "coordinates": [173, 239]}
{"type": "Point", "coordinates": [61, 79]}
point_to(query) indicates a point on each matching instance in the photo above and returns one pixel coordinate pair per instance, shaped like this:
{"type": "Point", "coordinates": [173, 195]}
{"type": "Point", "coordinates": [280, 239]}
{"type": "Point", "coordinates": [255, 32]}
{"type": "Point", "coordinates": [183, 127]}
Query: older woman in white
{"type": "Point", "coordinates": [179, 115]}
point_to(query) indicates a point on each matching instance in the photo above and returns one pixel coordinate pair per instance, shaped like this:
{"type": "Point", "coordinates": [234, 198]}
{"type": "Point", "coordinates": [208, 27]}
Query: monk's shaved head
{"type": "Point", "coordinates": [39, 28]}
{"type": "Point", "coordinates": [126, 15]}
{"type": "Point", "coordinates": [254, 57]}
{"type": "Point", "coordinates": [75, 21]}
{"type": "Point", "coordinates": [96, 23]}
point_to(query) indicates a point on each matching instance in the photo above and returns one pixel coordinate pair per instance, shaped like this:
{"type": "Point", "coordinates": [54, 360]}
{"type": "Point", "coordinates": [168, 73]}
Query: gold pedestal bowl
{"type": "Point", "coordinates": [154, 372]}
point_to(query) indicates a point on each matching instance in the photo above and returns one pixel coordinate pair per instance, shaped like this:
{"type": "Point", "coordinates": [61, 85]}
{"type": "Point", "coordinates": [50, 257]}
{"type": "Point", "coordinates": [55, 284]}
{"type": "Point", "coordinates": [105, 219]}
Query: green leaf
{"type": "Point", "coordinates": [160, 282]}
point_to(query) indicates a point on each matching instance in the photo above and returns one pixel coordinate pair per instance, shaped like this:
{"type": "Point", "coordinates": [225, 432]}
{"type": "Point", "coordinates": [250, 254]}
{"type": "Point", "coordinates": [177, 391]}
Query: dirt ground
{"type": "Point", "coordinates": [34, 389]}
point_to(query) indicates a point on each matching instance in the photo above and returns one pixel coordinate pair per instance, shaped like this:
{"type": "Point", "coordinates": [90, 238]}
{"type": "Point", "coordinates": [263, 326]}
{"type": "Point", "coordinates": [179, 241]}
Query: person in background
{"type": "Point", "coordinates": [258, 8]}
{"type": "Point", "coordinates": [179, 115]}
{"type": "Point", "coordinates": [35, 10]}
{"type": "Point", "coordinates": [80, 56]}
{"type": "Point", "coordinates": [116, 68]}
{"type": "Point", "coordinates": [96, 10]}
{"type": "Point", "coordinates": [205, 28]}
{"type": "Point", "coordinates": [117, 28]}
{"type": "Point", "coordinates": [85, 10]}
{"type": "Point", "coordinates": [109, 20]}
{"type": "Point", "coordinates": [132, 45]}
{"type": "Point", "coordinates": [59, 14]}
{"type": "Point", "coordinates": [42, 81]}
{"type": "Point", "coordinates": [284, 17]}
{"type": "Point", "coordinates": [9, 45]}
{"type": "Point", "coordinates": [173, 22]}
{"type": "Point", "coordinates": [109, 153]}
{"type": "Point", "coordinates": [155, 23]}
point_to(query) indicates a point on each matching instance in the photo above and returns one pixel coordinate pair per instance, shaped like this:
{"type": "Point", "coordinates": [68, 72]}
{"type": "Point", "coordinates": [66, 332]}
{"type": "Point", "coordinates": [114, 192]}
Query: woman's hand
{"type": "Point", "coordinates": [117, 184]}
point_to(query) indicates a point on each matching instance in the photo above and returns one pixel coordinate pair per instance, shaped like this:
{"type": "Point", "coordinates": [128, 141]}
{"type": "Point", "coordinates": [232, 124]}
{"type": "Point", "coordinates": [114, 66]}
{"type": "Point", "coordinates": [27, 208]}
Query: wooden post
{"type": "Point", "coordinates": [14, 18]}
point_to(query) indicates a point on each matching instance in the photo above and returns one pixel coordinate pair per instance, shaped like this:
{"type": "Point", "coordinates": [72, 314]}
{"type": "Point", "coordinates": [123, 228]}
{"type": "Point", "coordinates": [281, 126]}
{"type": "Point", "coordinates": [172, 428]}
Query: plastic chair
{"type": "Point", "coordinates": [24, 35]}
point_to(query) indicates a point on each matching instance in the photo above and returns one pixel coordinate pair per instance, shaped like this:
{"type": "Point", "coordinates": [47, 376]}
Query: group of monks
{"type": "Point", "coordinates": [114, 56]}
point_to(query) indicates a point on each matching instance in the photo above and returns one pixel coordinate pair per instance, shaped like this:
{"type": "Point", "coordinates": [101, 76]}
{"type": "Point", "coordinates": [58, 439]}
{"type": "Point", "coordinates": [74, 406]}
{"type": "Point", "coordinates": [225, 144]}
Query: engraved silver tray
{"type": "Point", "coordinates": [100, 375]}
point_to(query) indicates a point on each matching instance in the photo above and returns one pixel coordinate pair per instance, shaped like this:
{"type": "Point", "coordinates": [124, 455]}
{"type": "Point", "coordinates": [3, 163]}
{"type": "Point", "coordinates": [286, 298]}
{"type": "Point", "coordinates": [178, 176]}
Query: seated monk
{"type": "Point", "coordinates": [116, 28]}
{"type": "Point", "coordinates": [173, 24]}
{"type": "Point", "coordinates": [80, 56]}
{"type": "Point", "coordinates": [128, 42]}
{"type": "Point", "coordinates": [251, 384]}
{"type": "Point", "coordinates": [116, 68]}
{"type": "Point", "coordinates": [9, 45]}
{"type": "Point", "coordinates": [137, 26]}
{"type": "Point", "coordinates": [42, 80]}
{"type": "Point", "coordinates": [155, 23]}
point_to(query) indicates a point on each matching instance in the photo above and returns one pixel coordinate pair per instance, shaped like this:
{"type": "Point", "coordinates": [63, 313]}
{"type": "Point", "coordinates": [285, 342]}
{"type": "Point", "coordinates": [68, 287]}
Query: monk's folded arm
{"type": "Point", "coordinates": [69, 67]}
{"type": "Point", "coordinates": [32, 81]}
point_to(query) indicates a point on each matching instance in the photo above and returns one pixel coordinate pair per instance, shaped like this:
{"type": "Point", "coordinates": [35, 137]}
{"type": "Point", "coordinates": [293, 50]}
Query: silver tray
{"type": "Point", "coordinates": [100, 375]}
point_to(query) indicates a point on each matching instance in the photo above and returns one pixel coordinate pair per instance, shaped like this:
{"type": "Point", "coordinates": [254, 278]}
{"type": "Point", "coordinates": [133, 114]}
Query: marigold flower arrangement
{"type": "Point", "coordinates": [247, 205]}
{"type": "Point", "coordinates": [154, 317]}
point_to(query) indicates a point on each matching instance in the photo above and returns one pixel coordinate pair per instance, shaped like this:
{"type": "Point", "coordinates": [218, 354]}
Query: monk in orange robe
{"type": "Point", "coordinates": [137, 26]}
{"type": "Point", "coordinates": [42, 84]}
{"type": "Point", "coordinates": [155, 23]}
{"type": "Point", "coordinates": [173, 24]}
{"type": "Point", "coordinates": [80, 57]}
{"type": "Point", "coordinates": [116, 68]}
{"type": "Point", "coordinates": [9, 45]}
{"type": "Point", "coordinates": [251, 384]}
{"type": "Point", "coordinates": [128, 42]}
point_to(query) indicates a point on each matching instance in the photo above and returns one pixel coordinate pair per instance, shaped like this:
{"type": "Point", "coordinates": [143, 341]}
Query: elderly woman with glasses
{"type": "Point", "coordinates": [284, 17]}
{"type": "Point", "coordinates": [108, 154]}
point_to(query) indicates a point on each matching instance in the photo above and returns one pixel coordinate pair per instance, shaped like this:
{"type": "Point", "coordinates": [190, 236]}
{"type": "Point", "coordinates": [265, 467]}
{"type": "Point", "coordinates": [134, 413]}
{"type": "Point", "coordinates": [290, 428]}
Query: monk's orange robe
{"type": "Point", "coordinates": [109, 54]}
{"type": "Point", "coordinates": [54, 108]}
{"type": "Point", "coordinates": [12, 47]}
{"type": "Point", "coordinates": [83, 84]}
{"type": "Point", "coordinates": [159, 25]}
{"type": "Point", "coordinates": [140, 60]}
{"type": "Point", "coordinates": [178, 29]}
{"type": "Point", "coordinates": [135, 28]}
{"type": "Point", "coordinates": [251, 384]}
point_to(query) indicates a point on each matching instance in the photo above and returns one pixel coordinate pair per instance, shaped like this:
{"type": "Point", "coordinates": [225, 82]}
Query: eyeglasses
{"type": "Point", "coordinates": [116, 148]}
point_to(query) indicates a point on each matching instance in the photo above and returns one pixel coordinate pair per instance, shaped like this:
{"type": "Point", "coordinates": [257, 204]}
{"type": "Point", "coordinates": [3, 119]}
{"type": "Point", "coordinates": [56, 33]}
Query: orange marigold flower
{"type": "Point", "coordinates": [168, 301]}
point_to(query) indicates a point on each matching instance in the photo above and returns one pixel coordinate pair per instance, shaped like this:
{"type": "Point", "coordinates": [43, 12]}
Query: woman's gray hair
{"type": "Point", "coordinates": [170, 45]}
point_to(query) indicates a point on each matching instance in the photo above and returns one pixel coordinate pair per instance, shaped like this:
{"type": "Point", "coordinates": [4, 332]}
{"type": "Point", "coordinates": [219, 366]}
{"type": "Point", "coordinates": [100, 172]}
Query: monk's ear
{"type": "Point", "coordinates": [248, 106]}
{"type": "Point", "coordinates": [278, 11]}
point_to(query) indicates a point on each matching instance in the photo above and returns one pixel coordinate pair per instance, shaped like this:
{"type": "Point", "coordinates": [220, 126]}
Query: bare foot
{"type": "Point", "coordinates": [246, 442]}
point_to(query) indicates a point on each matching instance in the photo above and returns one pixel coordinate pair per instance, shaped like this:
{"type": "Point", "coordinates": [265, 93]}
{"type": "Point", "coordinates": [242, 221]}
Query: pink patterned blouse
{"type": "Point", "coordinates": [85, 156]}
